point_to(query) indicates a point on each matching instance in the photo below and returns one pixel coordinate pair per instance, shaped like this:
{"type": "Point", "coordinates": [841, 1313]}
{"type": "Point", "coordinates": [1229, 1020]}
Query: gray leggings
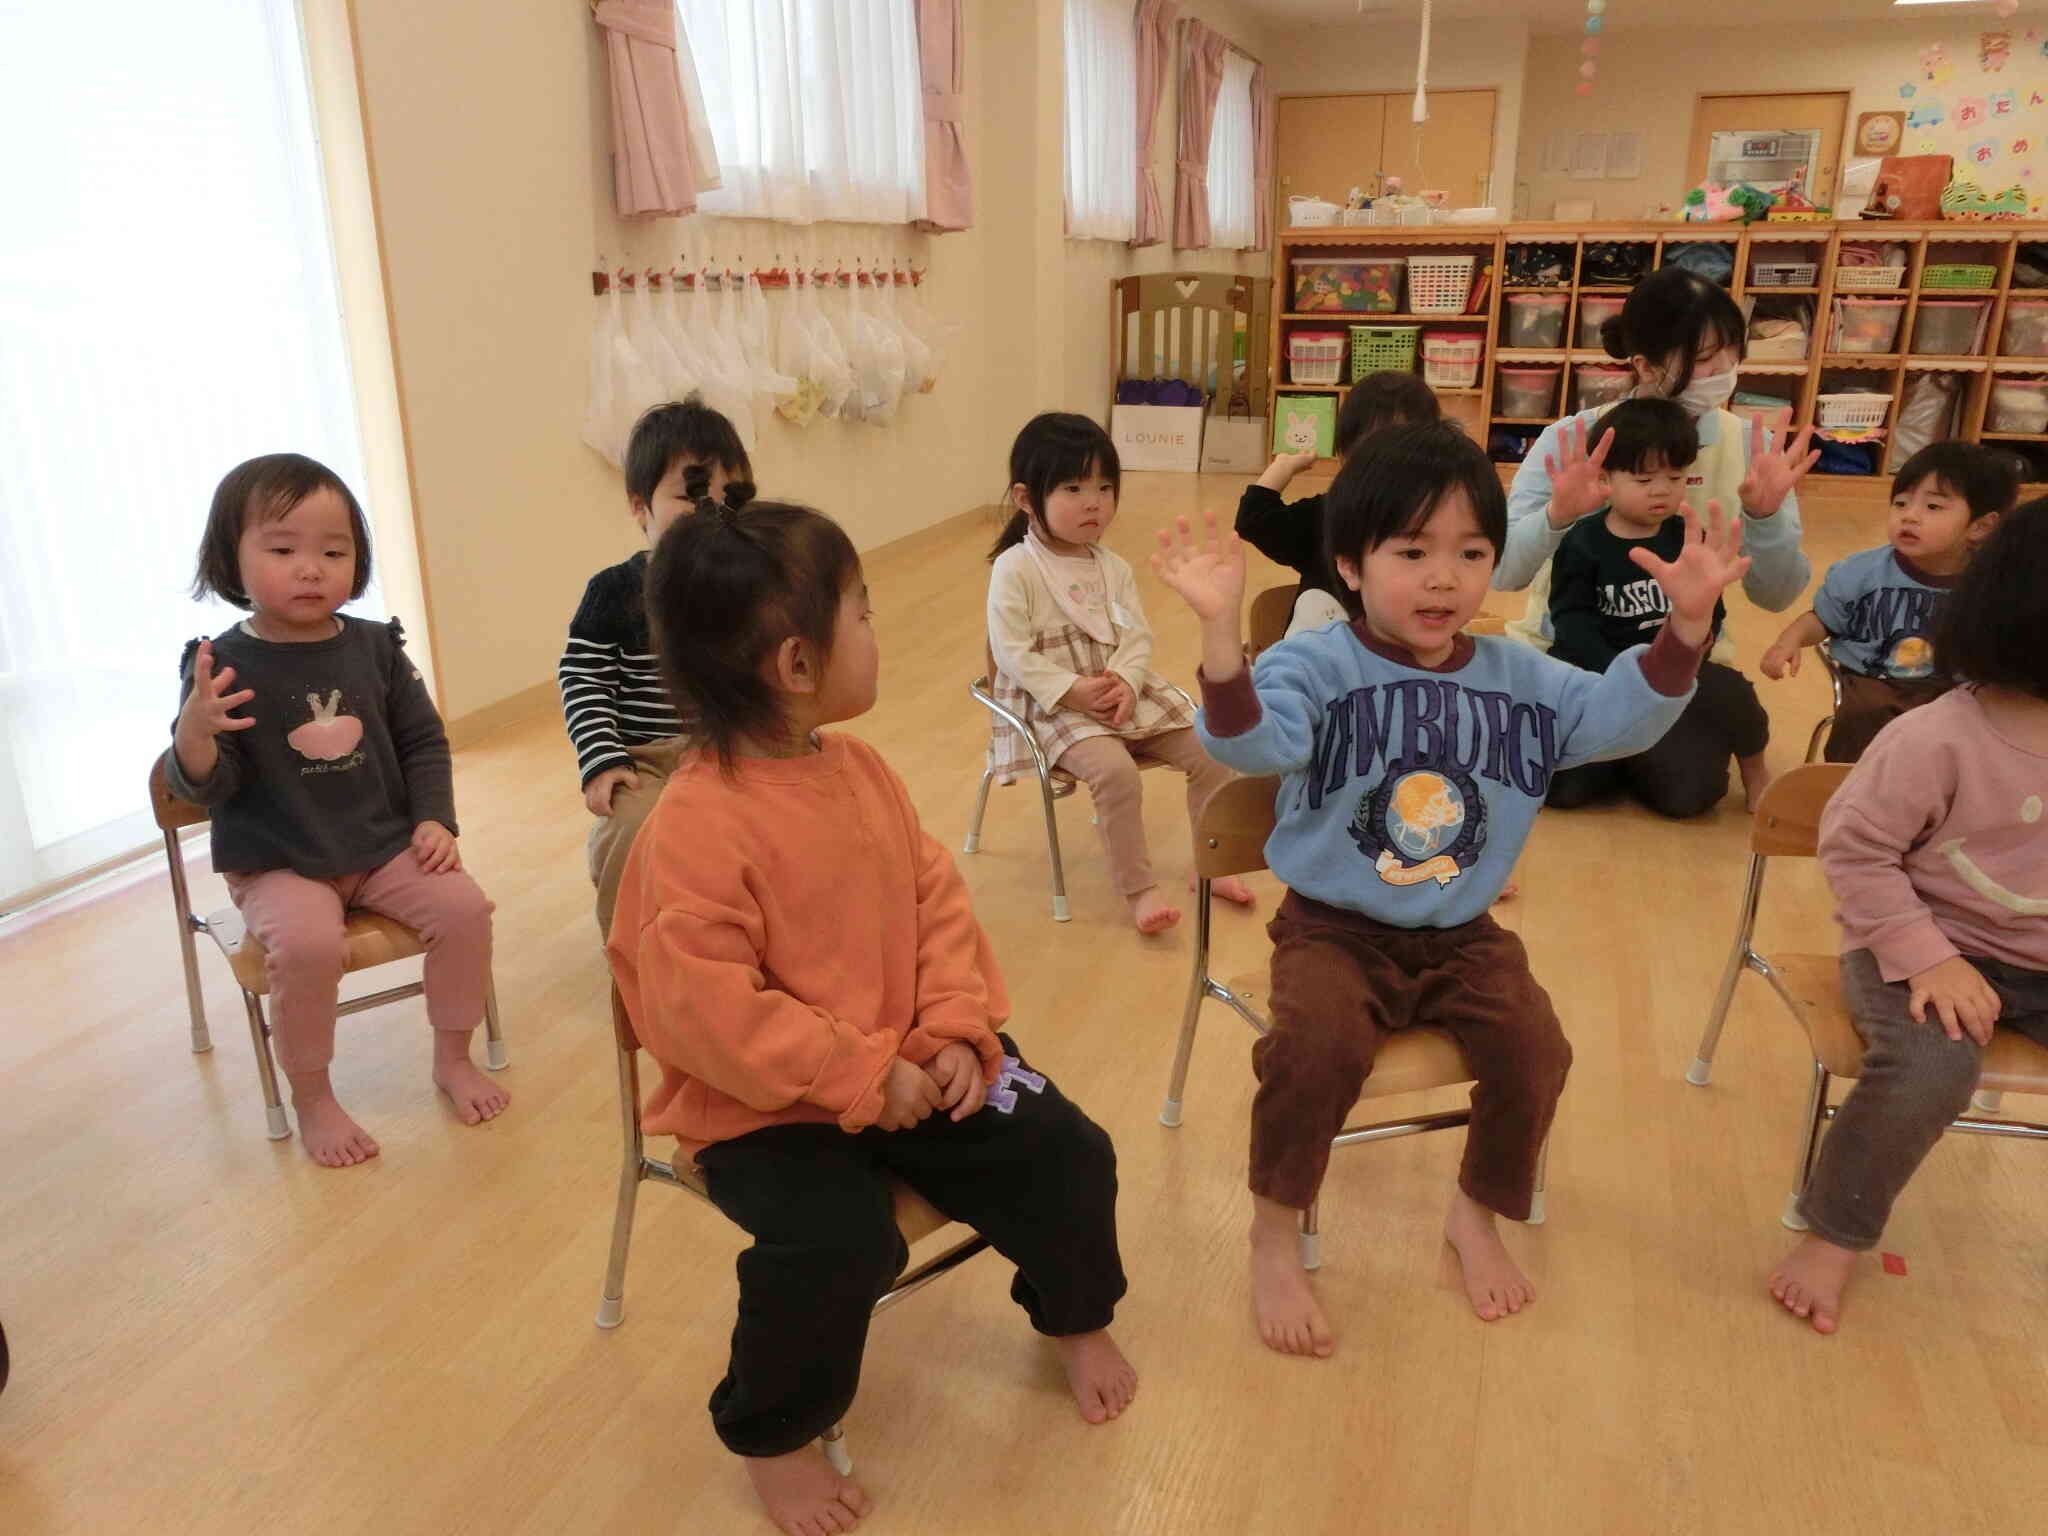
{"type": "Point", "coordinates": [1915, 1081]}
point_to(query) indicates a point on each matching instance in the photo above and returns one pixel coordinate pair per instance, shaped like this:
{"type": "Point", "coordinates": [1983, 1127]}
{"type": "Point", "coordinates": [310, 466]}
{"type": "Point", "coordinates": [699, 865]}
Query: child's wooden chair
{"type": "Point", "coordinates": [1787, 825]}
{"type": "Point", "coordinates": [1053, 783]}
{"type": "Point", "coordinates": [916, 1218]}
{"type": "Point", "coordinates": [1267, 619]}
{"type": "Point", "coordinates": [373, 939]}
{"type": "Point", "coordinates": [1232, 841]}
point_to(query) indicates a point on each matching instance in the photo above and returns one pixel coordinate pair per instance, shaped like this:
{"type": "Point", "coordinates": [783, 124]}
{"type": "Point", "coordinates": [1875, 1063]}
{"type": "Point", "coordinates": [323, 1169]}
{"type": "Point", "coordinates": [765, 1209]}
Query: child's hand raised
{"type": "Point", "coordinates": [1206, 570]}
{"type": "Point", "coordinates": [434, 846]}
{"type": "Point", "coordinates": [1710, 562]}
{"type": "Point", "coordinates": [1577, 478]}
{"type": "Point", "coordinates": [206, 709]}
{"type": "Point", "coordinates": [908, 1096]}
{"type": "Point", "coordinates": [956, 1071]}
{"type": "Point", "coordinates": [1774, 471]}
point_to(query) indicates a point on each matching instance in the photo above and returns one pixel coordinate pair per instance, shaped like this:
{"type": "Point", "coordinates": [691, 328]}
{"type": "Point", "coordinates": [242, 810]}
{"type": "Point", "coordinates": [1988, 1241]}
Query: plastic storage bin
{"type": "Point", "coordinates": [1324, 283]}
{"type": "Point", "coordinates": [1869, 279]}
{"type": "Point", "coordinates": [1315, 357]}
{"type": "Point", "coordinates": [1768, 409]}
{"type": "Point", "coordinates": [1852, 412]}
{"type": "Point", "coordinates": [1536, 319]}
{"type": "Point", "coordinates": [1450, 359]}
{"type": "Point", "coordinates": [2026, 328]}
{"type": "Point", "coordinates": [1783, 274]}
{"type": "Point", "coordinates": [1594, 311]}
{"type": "Point", "coordinates": [1439, 285]}
{"type": "Point", "coordinates": [1599, 385]}
{"type": "Point", "coordinates": [1383, 349]}
{"type": "Point", "coordinates": [1528, 391]}
{"type": "Point", "coordinates": [2018, 405]}
{"type": "Point", "coordinates": [1957, 274]}
{"type": "Point", "coordinates": [1866, 325]}
{"type": "Point", "coordinates": [1948, 327]}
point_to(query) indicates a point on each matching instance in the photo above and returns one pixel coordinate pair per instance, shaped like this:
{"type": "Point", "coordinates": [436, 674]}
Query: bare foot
{"type": "Point", "coordinates": [1509, 891]}
{"type": "Point", "coordinates": [1289, 1319]}
{"type": "Point", "coordinates": [803, 1495]}
{"type": "Point", "coordinates": [331, 1138]}
{"type": "Point", "coordinates": [1151, 913]}
{"type": "Point", "coordinates": [1494, 1283]}
{"type": "Point", "coordinates": [1810, 1281]}
{"type": "Point", "coordinates": [1756, 778]}
{"type": "Point", "coordinates": [475, 1097]}
{"type": "Point", "coordinates": [1102, 1380]}
{"type": "Point", "coordinates": [1230, 888]}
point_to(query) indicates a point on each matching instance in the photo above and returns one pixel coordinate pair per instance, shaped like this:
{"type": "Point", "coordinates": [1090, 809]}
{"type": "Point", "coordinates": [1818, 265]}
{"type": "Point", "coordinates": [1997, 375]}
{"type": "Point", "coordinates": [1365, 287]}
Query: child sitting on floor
{"type": "Point", "coordinates": [625, 730]}
{"type": "Point", "coordinates": [1878, 610]}
{"type": "Point", "coordinates": [801, 958]}
{"type": "Point", "coordinates": [1936, 849]}
{"type": "Point", "coordinates": [1073, 654]}
{"type": "Point", "coordinates": [1291, 533]}
{"type": "Point", "coordinates": [1414, 760]}
{"type": "Point", "coordinates": [1601, 603]}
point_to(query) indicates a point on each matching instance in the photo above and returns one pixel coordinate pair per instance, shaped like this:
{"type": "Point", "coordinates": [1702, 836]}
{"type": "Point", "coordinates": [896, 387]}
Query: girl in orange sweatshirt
{"type": "Point", "coordinates": [801, 958]}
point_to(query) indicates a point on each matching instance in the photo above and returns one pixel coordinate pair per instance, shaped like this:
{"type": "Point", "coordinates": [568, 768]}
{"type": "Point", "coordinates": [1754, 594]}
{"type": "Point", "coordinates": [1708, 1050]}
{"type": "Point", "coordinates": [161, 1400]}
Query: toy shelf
{"type": "Point", "coordinates": [1800, 381]}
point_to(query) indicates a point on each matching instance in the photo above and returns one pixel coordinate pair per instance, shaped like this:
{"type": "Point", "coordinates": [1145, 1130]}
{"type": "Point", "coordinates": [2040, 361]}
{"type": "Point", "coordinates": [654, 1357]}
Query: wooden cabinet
{"type": "Point", "coordinates": [1325, 145]}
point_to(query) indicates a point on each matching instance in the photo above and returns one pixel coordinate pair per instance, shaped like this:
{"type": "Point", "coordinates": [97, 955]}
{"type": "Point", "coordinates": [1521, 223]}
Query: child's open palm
{"type": "Point", "coordinates": [1578, 479]}
{"type": "Point", "coordinates": [207, 710]}
{"type": "Point", "coordinates": [1207, 570]}
{"type": "Point", "coordinates": [1710, 562]}
{"type": "Point", "coordinates": [1774, 470]}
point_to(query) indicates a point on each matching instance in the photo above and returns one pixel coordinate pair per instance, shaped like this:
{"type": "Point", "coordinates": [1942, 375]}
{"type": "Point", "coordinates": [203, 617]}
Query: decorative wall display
{"type": "Point", "coordinates": [1879, 133]}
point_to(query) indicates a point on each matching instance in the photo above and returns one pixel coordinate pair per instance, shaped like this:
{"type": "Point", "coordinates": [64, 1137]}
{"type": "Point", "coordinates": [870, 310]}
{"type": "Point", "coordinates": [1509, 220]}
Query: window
{"type": "Point", "coordinates": [1232, 225]}
{"type": "Point", "coordinates": [169, 299]}
{"type": "Point", "coordinates": [816, 107]}
{"type": "Point", "coordinates": [1101, 124]}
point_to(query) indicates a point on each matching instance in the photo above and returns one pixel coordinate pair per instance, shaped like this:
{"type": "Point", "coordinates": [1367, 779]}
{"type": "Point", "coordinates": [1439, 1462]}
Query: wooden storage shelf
{"type": "Point", "coordinates": [2013, 437]}
{"type": "Point", "coordinates": [1820, 243]}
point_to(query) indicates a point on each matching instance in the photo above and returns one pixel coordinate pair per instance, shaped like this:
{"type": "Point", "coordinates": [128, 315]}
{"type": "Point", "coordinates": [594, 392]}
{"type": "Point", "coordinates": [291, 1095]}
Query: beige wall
{"type": "Point", "coordinates": [1635, 92]}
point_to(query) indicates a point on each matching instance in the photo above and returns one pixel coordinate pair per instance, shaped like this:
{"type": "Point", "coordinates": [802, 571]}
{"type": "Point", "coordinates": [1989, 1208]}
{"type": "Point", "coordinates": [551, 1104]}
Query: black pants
{"type": "Point", "coordinates": [1038, 1181]}
{"type": "Point", "coordinates": [1687, 772]}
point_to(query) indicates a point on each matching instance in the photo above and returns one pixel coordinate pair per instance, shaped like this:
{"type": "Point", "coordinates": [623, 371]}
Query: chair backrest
{"type": "Point", "coordinates": [1487, 624]}
{"type": "Point", "coordinates": [1236, 822]}
{"type": "Point", "coordinates": [1271, 612]}
{"type": "Point", "coordinates": [1185, 325]}
{"type": "Point", "coordinates": [1787, 820]}
{"type": "Point", "coordinates": [170, 811]}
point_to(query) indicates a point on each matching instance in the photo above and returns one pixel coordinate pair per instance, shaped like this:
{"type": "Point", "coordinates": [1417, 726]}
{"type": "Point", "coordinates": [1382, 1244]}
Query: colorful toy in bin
{"type": "Point", "coordinates": [1712, 203]}
{"type": "Point", "coordinates": [1305, 424]}
{"type": "Point", "coordinates": [1324, 284]}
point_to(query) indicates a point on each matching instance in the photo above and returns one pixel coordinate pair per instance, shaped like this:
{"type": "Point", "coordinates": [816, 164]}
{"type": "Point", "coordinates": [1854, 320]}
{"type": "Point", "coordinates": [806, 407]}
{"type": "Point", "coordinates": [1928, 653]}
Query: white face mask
{"type": "Point", "coordinates": [1708, 392]}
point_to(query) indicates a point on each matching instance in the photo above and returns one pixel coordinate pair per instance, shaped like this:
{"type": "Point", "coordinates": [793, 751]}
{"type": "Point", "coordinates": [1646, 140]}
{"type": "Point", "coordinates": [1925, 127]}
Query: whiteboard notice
{"type": "Point", "coordinates": [1624, 156]}
{"type": "Point", "coordinates": [1589, 157]}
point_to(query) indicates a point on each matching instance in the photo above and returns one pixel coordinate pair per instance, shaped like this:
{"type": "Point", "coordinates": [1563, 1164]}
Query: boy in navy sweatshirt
{"type": "Point", "coordinates": [1413, 759]}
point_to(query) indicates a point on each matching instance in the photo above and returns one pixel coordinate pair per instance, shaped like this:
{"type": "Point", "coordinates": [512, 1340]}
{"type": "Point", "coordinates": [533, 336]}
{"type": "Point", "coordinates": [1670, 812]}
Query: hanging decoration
{"type": "Point", "coordinates": [1421, 113]}
{"type": "Point", "coordinates": [1589, 46]}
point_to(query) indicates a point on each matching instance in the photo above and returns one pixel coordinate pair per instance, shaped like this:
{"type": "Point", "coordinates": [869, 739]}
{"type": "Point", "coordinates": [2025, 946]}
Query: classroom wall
{"type": "Point", "coordinates": [1876, 61]}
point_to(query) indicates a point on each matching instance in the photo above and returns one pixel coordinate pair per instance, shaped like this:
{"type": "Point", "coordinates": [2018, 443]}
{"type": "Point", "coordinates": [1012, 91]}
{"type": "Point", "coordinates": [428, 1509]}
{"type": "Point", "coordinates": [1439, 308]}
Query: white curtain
{"type": "Point", "coordinates": [1101, 121]}
{"type": "Point", "coordinates": [169, 307]}
{"type": "Point", "coordinates": [1232, 223]}
{"type": "Point", "coordinates": [816, 107]}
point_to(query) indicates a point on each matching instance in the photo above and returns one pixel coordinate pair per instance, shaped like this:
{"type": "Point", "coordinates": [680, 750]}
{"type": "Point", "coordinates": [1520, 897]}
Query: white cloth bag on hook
{"type": "Point", "coordinates": [917, 357]}
{"type": "Point", "coordinates": [797, 354]}
{"type": "Point", "coordinates": [918, 319]}
{"type": "Point", "coordinates": [835, 380]}
{"type": "Point", "coordinates": [619, 380]}
{"type": "Point", "coordinates": [757, 340]}
{"type": "Point", "coordinates": [652, 343]}
{"type": "Point", "coordinates": [723, 383]}
{"type": "Point", "coordinates": [675, 330]}
{"type": "Point", "coordinates": [877, 357]}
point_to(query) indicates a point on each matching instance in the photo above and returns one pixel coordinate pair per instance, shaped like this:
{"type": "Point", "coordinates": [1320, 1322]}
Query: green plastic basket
{"type": "Point", "coordinates": [1383, 349]}
{"type": "Point", "coordinates": [1957, 275]}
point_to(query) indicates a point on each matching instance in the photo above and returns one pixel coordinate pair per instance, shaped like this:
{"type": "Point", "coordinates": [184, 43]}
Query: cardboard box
{"type": "Point", "coordinates": [1165, 437]}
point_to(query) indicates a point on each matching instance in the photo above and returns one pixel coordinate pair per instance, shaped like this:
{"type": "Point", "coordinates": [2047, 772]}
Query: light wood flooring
{"type": "Point", "coordinates": [212, 1335]}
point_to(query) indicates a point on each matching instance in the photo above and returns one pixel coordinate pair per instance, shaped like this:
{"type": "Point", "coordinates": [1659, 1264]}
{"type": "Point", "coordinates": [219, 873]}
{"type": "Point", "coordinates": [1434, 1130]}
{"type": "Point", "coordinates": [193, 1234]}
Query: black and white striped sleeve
{"type": "Point", "coordinates": [588, 674]}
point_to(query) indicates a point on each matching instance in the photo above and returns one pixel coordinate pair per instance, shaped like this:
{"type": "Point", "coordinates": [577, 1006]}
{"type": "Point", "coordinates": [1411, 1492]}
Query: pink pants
{"type": "Point", "coordinates": [1108, 765]}
{"type": "Point", "coordinates": [299, 923]}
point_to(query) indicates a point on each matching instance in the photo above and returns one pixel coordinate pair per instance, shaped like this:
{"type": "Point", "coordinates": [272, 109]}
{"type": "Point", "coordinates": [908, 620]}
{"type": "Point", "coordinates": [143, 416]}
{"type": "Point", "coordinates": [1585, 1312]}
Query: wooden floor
{"type": "Point", "coordinates": [212, 1335]}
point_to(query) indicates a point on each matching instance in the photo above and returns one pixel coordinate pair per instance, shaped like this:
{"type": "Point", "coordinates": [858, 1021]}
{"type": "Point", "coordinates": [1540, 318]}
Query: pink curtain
{"type": "Point", "coordinates": [1201, 79]}
{"type": "Point", "coordinates": [1262, 159]}
{"type": "Point", "coordinates": [651, 167]}
{"type": "Point", "coordinates": [1155, 20]}
{"type": "Point", "coordinates": [942, 66]}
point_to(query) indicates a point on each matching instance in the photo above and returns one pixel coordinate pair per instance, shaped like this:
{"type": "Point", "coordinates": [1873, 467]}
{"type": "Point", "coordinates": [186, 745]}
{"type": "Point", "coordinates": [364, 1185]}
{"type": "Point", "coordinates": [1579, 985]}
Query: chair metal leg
{"type": "Point", "coordinates": [1703, 1058]}
{"type": "Point", "coordinates": [181, 903]}
{"type": "Point", "coordinates": [1536, 1211]}
{"type": "Point", "coordinates": [1311, 1239]}
{"type": "Point", "coordinates": [266, 1069]}
{"type": "Point", "coordinates": [1816, 1118]}
{"type": "Point", "coordinates": [833, 1443]}
{"type": "Point", "coordinates": [494, 1040]}
{"type": "Point", "coordinates": [1199, 985]}
{"type": "Point", "coordinates": [1987, 1101]}
{"type": "Point", "coordinates": [1060, 911]}
{"type": "Point", "coordinates": [973, 843]}
{"type": "Point", "coordinates": [611, 1302]}
{"type": "Point", "coordinates": [1819, 737]}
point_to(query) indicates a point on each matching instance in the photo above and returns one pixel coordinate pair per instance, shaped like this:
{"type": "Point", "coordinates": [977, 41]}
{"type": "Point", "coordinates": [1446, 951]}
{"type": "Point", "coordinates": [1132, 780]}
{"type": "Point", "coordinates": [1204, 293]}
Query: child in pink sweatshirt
{"type": "Point", "coordinates": [1937, 851]}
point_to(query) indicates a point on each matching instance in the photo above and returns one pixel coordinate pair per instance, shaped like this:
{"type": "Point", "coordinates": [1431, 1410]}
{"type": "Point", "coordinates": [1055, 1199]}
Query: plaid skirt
{"type": "Point", "coordinates": [1161, 706]}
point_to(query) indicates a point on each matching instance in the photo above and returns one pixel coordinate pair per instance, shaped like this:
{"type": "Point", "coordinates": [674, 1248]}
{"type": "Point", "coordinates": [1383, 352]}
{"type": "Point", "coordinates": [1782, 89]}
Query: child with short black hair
{"type": "Point", "coordinates": [333, 792]}
{"type": "Point", "coordinates": [621, 720]}
{"type": "Point", "coordinates": [1414, 759]}
{"type": "Point", "coordinates": [801, 957]}
{"type": "Point", "coordinates": [1935, 847]}
{"type": "Point", "coordinates": [1878, 610]}
{"type": "Point", "coordinates": [1601, 603]}
{"type": "Point", "coordinates": [1291, 533]}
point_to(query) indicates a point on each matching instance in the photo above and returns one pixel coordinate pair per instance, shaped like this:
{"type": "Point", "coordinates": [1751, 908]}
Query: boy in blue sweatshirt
{"type": "Point", "coordinates": [1413, 759]}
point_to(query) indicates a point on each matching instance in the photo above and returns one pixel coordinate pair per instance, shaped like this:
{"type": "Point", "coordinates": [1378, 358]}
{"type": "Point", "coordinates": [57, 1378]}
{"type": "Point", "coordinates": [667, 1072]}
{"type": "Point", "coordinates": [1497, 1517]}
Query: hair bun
{"type": "Point", "coordinates": [1613, 337]}
{"type": "Point", "coordinates": [738, 493]}
{"type": "Point", "coordinates": [697, 481]}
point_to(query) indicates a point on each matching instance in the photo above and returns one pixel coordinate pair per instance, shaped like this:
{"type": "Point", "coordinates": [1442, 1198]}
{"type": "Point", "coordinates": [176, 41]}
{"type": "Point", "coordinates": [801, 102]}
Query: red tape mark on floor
{"type": "Point", "coordinates": [1893, 1264]}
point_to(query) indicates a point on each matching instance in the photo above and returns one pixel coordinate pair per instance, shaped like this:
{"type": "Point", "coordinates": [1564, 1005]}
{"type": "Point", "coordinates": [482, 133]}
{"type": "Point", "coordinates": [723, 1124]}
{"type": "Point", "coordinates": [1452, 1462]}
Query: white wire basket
{"type": "Point", "coordinates": [1784, 274]}
{"type": "Point", "coordinates": [1439, 285]}
{"type": "Point", "coordinates": [1868, 279]}
{"type": "Point", "coordinates": [1852, 413]}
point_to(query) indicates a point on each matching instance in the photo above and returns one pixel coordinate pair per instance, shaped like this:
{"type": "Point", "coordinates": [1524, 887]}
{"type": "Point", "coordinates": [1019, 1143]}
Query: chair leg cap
{"type": "Point", "coordinates": [495, 1057]}
{"type": "Point", "coordinates": [1169, 1114]}
{"type": "Point", "coordinates": [1061, 912]}
{"type": "Point", "coordinates": [841, 1459]}
{"type": "Point", "coordinates": [972, 845]}
{"type": "Point", "coordinates": [1536, 1211]}
{"type": "Point", "coordinates": [1699, 1072]}
{"type": "Point", "coordinates": [201, 1045]}
{"type": "Point", "coordinates": [280, 1128]}
{"type": "Point", "coordinates": [611, 1311]}
{"type": "Point", "coordinates": [1311, 1251]}
{"type": "Point", "coordinates": [1792, 1219]}
{"type": "Point", "coordinates": [1987, 1101]}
